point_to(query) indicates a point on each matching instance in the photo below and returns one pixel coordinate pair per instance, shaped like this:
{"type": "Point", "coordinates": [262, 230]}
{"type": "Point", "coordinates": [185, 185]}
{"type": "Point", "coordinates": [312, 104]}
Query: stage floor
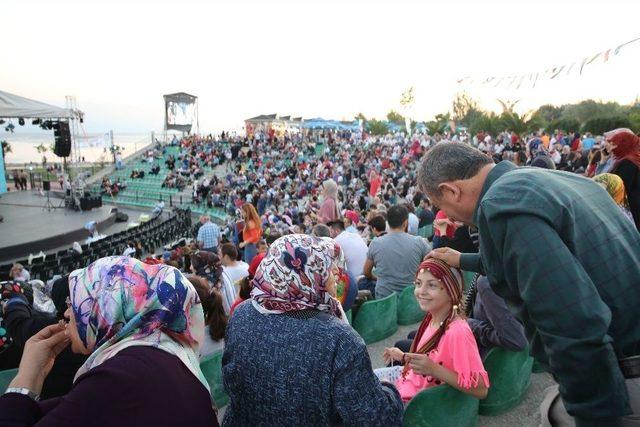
{"type": "Point", "coordinates": [26, 223]}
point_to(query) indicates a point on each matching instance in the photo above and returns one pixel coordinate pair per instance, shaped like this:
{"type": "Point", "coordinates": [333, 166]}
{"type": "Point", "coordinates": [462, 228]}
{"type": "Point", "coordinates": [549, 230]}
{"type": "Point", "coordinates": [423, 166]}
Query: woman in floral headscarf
{"type": "Point", "coordinates": [141, 326]}
{"type": "Point", "coordinates": [290, 357]}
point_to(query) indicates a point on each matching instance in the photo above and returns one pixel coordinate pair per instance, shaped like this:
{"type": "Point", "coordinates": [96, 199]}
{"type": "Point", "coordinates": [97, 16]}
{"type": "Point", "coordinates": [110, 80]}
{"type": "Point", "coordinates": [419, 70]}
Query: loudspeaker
{"type": "Point", "coordinates": [62, 137]}
{"type": "Point", "coordinates": [46, 185]}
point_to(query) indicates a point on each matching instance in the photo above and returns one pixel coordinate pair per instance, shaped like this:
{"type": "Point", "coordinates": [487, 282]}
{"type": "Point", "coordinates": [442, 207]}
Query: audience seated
{"type": "Point", "coordinates": [395, 256]}
{"type": "Point", "coordinates": [215, 317]}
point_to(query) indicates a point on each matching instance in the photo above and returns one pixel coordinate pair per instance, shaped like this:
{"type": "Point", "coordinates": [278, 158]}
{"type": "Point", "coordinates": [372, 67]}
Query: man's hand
{"type": "Point", "coordinates": [448, 255]}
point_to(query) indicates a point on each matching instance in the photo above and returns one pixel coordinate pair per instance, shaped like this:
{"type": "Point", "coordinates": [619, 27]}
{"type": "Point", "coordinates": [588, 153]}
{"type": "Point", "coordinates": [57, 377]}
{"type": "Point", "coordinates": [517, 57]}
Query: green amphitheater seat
{"type": "Point", "coordinates": [510, 376]}
{"type": "Point", "coordinates": [441, 406]}
{"type": "Point", "coordinates": [409, 311]}
{"type": "Point", "coordinates": [6, 377]}
{"type": "Point", "coordinates": [468, 279]}
{"type": "Point", "coordinates": [212, 369]}
{"type": "Point", "coordinates": [377, 319]}
{"type": "Point", "coordinates": [425, 231]}
{"type": "Point", "coordinates": [537, 367]}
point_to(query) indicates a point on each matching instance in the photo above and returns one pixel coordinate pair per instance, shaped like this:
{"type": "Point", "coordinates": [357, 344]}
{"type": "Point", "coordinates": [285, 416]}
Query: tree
{"type": "Point", "coordinates": [590, 109]}
{"type": "Point", "coordinates": [376, 127]}
{"type": "Point", "coordinates": [42, 149]}
{"type": "Point", "coordinates": [600, 125]}
{"type": "Point", "coordinates": [566, 125]}
{"type": "Point", "coordinates": [395, 117]}
{"type": "Point", "coordinates": [433, 127]}
{"type": "Point", "coordinates": [360, 116]}
{"type": "Point", "coordinates": [463, 105]}
{"type": "Point", "coordinates": [508, 106]}
{"type": "Point", "coordinates": [520, 124]}
{"type": "Point", "coordinates": [548, 113]}
{"type": "Point", "coordinates": [486, 122]}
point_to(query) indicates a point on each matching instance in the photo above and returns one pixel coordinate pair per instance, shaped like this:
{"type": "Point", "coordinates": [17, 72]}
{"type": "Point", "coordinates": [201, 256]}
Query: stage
{"type": "Point", "coordinates": [27, 228]}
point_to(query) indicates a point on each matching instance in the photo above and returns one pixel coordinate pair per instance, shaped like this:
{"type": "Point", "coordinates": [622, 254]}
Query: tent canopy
{"type": "Point", "coordinates": [14, 106]}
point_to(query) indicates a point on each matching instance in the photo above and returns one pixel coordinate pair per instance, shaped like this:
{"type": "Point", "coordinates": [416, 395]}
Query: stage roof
{"type": "Point", "coordinates": [14, 106]}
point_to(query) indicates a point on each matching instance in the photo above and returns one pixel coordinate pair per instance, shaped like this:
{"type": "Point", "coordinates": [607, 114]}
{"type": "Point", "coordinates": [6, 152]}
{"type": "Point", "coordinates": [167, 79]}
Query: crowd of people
{"type": "Point", "coordinates": [317, 226]}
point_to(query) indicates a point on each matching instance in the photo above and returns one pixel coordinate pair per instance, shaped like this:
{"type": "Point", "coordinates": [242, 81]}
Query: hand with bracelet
{"type": "Point", "coordinates": [38, 357]}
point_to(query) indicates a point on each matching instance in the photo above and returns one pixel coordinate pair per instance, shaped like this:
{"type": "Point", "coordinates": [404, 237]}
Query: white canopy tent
{"type": "Point", "coordinates": [14, 106]}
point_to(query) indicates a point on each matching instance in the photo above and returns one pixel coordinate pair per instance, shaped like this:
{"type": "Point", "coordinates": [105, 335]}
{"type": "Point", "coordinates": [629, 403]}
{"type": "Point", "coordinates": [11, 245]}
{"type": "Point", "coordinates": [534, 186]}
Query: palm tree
{"type": "Point", "coordinates": [519, 124]}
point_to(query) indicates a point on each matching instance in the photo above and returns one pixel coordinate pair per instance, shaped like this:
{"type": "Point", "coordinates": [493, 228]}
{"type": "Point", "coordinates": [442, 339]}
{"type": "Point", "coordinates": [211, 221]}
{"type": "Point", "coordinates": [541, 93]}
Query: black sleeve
{"type": "Point", "coordinates": [628, 171]}
{"type": "Point", "coordinates": [23, 322]}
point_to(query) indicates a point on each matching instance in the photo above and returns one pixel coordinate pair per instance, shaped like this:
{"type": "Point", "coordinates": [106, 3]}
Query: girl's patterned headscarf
{"type": "Point", "coordinates": [120, 302]}
{"type": "Point", "coordinates": [293, 275]}
{"type": "Point", "coordinates": [614, 186]}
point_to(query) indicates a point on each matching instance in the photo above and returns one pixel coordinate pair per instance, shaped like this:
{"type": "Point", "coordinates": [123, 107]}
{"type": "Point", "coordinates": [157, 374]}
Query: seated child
{"type": "Point", "coordinates": [444, 350]}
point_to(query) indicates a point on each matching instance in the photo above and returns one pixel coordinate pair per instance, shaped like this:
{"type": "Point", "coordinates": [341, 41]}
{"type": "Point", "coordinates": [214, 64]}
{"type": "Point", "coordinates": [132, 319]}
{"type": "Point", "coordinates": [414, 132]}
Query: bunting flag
{"type": "Point", "coordinates": [551, 73]}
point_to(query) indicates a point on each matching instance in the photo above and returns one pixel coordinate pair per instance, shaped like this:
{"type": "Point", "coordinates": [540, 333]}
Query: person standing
{"type": "Point", "coordinates": [252, 232]}
{"type": "Point", "coordinates": [578, 307]}
{"type": "Point", "coordinates": [625, 147]}
{"type": "Point", "coordinates": [208, 235]}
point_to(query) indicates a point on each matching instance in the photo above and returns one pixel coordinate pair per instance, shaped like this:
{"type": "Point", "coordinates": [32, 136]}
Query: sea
{"type": "Point", "coordinates": [94, 147]}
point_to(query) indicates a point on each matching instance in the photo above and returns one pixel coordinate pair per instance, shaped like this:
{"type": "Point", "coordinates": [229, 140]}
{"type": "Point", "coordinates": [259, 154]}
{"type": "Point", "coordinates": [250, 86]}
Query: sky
{"type": "Point", "coordinates": [330, 59]}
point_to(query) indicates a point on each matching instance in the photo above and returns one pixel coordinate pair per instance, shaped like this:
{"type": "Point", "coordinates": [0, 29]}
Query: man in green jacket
{"type": "Point", "coordinates": [556, 247]}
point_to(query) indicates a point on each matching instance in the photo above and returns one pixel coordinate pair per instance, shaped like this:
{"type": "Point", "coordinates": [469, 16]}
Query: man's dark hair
{"type": "Point", "coordinates": [229, 249]}
{"type": "Point", "coordinates": [397, 215]}
{"type": "Point", "coordinates": [378, 223]}
{"type": "Point", "coordinates": [449, 162]}
{"type": "Point", "coordinates": [321, 230]}
{"type": "Point", "coordinates": [336, 225]}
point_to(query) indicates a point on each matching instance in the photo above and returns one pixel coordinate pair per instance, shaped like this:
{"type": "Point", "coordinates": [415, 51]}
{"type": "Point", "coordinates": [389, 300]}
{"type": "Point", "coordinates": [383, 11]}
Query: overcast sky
{"type": "Point", "coordinates": [331, 59]}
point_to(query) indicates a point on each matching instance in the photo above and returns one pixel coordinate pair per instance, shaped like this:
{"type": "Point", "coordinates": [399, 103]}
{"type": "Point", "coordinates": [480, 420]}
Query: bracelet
{"type": "Point", "coordinates": [24, 391]}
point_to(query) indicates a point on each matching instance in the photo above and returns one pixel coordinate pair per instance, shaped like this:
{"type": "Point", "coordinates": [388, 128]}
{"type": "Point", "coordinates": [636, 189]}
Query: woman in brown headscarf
{"type": "Point", "coordinates": [625, 147]}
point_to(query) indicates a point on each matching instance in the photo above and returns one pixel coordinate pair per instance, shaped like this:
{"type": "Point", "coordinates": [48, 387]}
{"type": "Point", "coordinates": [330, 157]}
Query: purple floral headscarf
{"type": "Point", "coordinates": [120, 302]}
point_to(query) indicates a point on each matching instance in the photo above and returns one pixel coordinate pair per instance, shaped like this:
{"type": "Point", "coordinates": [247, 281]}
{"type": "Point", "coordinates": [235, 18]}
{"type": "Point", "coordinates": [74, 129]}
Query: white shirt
{"type": "Point", "coordinates": [414, 222]}
{"type": "Point", "coordinates": [355, 251]}
{"type": "Point", "coordinates": [237, 272]}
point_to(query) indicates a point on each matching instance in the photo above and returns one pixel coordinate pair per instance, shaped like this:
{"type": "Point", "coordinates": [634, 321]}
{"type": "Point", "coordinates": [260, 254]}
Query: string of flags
{"type": "Point", "coordinates": [531, 79]}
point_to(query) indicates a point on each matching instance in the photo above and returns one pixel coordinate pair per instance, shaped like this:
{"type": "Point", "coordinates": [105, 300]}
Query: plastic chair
{"type": "Point", "coordinates": [468, 279]}
{"type": "Point", "coordinates": [510, 376]}
{"type": "Point", "coordinates": [426, 231]}
{"type": "Point", "coordinates": [377, 319]}
{"type": "Point", "coordinates": [409, 311]}
{"type": "Point", "coordinates": [441, 406]}
{"type": "Point", "coordinates": [6, 377]}
{"type": "Point", "coordinates": [212, 369]}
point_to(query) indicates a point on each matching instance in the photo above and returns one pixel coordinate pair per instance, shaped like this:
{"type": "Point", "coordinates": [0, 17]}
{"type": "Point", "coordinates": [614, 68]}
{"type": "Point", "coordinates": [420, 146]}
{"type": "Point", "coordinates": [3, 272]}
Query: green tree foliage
{"type": "Point", "coordinates": [600, 125]}
{"type": "Point", "coordinates": [566, 125]}
{"type": "Point", "coordinates": [512, 121]}
{"type": "Point", "coordinates": [589, 109]}
{"type": "Point", "coordinates": [548, 113]}
{"type": "Point", "coordinates": [486, 122]}
{"type": "Point", "coordinates": [360, 116]}
{"type": "Point", "coordinates": [395, 117]}
{"type": "Point", "coordinates": [376, 127]}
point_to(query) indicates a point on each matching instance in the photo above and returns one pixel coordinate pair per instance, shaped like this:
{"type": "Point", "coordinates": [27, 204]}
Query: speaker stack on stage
{"type": "Point", "coordinates": [89, 202]}
{"type": "Point", "coordinates": [120, 216]}
{"type": "Point", "coordinates": [62, 138]}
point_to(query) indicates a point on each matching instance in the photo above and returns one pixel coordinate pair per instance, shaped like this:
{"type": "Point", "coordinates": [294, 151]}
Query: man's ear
{"type": "Point", "coordinates": [450, 191]}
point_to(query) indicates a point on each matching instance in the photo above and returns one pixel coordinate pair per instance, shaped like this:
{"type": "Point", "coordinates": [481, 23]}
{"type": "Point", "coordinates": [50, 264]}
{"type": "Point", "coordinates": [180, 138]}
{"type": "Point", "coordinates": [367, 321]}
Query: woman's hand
{"type": "Point", "coordinates": [421, 364]}
{"type": "Point", "coordinates": [39, 354]}
{"type": "Point", "coordinates": [393, 354]}
{"type": "Point", "coordinates": [448, 255]}
{"type": "Point", "coordinates": [242, 245]}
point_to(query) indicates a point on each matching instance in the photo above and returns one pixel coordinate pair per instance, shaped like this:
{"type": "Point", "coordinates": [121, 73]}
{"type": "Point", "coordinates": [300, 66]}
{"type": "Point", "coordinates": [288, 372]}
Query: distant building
{"type": "Point", "coordinates": [272, 124]}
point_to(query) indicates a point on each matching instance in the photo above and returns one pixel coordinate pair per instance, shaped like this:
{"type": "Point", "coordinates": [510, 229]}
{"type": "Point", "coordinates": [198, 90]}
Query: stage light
{"type": "Point", "coordinates": [35, 122]}
{"type": "Point", "coordinates": [21, 121]}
